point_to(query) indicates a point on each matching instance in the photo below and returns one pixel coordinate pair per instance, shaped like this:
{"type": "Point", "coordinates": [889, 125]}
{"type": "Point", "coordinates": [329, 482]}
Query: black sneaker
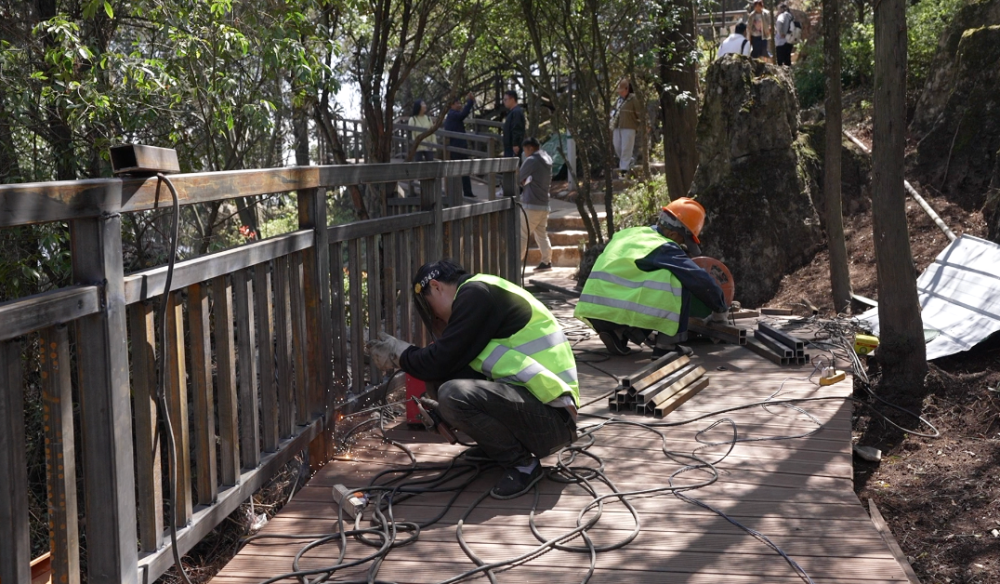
{"type": "Point", "coordinates": [681, 349]}
{"type": "Point", "coordinates": [515, 483]}
{"type": "Point", "coordinates": [614, 345]}
{"type": "Point", "coordinates": [475, 454]}
{"type": "Point", "coordinates": [543, 267]}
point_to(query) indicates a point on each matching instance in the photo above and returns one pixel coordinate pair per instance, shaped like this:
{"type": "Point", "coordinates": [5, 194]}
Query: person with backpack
{"type": "Point", "coordinates": [783, 36]}
{"type": "Point", "coordinates": [736, 43]}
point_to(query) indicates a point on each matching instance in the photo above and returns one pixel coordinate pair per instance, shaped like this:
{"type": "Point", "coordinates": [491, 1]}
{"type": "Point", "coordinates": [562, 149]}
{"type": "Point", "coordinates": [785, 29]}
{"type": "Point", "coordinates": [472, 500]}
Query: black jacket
{"type": "Point", "coordinates": [694, 280]}
{"type": "Point", "coordinates": [454, 121]}
{"type": "Point", "coordinates": [479, 314]}
{"type": "Point", "coordinates": [513, 129]}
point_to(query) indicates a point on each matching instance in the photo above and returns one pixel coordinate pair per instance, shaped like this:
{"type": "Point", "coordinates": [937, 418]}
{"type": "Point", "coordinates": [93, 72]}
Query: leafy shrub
{"type": "Point", "coordinates": [926, 21]}
{"type": "Point", "coordinates": [640, 203]}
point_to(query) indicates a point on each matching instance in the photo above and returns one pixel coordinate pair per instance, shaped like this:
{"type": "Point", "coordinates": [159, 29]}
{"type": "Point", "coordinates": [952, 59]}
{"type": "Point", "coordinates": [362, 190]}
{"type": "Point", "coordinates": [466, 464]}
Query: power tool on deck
{"type": "Point", "coordinates": [432, 420]}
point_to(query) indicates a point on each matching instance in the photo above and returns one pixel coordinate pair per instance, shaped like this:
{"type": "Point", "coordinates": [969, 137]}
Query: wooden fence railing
{"type": "Point", "coordinates": [263, 341]}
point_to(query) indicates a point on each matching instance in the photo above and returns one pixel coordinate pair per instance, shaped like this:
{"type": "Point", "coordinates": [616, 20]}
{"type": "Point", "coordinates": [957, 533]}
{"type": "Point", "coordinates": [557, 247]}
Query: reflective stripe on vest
{"type": "Point", "coordinates": [618, 291]}
{"type": "Point", "coordinates": [538, 357]}
{"type": "Point", "coordinates": [631, 306]}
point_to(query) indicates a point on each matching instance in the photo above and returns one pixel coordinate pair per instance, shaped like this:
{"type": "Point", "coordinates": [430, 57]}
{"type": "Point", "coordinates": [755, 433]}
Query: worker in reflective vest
{"type": "Point", "coordinates": [508, 373]}
{"type": "Point", "coordinates": [640, 287]}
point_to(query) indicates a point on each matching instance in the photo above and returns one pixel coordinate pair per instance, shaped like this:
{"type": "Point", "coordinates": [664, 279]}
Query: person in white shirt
{"type": "Point", "coordinates": [736, 43]}
{"type": "Point", "coordinates": [782, 26]}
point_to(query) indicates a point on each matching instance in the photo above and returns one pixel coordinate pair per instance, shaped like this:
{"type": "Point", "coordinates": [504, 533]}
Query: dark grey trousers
{"type": "Point", "coordinates": [506, 421]}
{"type": "Point", "coordinates": [638, 335]}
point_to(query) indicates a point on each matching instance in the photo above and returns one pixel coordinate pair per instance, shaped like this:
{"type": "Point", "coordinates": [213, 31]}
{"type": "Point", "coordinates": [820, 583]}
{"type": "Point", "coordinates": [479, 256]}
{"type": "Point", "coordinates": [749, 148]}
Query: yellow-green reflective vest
{"type": "Point", "coordinates": [537, 357]}
{"type": "Point", "coordinates": [617, 291]}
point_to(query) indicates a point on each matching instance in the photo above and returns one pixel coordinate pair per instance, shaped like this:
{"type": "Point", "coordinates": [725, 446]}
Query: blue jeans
{"type": "Point", "coordinates": [506, 421]}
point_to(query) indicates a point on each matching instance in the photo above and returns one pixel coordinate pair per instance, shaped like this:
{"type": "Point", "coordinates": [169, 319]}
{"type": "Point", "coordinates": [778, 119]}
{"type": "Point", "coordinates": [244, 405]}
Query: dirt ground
{"type": "Point", "coordinates": [939, 496]}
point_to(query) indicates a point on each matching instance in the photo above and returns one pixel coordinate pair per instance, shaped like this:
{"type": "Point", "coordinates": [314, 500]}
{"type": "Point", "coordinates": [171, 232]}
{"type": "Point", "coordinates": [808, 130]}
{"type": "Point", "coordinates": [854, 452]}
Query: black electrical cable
{"type": "Point", "coordinates": [392, 492]}
{"type": "Point", "coordinates": [524, 260]}
{"type": "Point", "coordinates": [458, 475]}
{"type": "Point", "coordinates": [161, 397]}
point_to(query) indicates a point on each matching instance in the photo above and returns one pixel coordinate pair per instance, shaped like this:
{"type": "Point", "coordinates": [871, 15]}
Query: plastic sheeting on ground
{"type": "Point", "coordinates": [959, 297]}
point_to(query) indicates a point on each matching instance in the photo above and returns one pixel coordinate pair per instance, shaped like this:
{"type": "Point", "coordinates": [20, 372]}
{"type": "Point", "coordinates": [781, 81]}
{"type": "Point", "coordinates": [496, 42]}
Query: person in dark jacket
{"type": "Point", "coordinates": [454, 121]}
{"type": "Point", "coordinates": [507, 372]}
{"type": "Point", "coordinates": [513, 125]}
{"type": "Point", "coordinates": [641, 287]}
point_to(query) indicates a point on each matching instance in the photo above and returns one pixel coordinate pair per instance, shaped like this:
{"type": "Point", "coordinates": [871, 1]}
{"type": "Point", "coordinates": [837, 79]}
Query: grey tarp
{"type": "Point", "coordinates": [959, 296]}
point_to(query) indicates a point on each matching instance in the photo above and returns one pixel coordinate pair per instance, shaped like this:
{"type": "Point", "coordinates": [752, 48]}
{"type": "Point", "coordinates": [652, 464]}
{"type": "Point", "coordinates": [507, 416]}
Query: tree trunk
{"type": "Point", "coordinates": [680, 116]}
{"type": "Point", "coordinates": [300, 129]}
{"type": "Point", "coordinates": [902, 352]}
{"type": "Point", "coordinates": [840, 276]}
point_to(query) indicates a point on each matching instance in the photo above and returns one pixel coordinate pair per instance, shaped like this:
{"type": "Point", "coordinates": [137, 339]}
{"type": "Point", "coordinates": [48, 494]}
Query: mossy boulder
{"type": "Point", "coordinates": [959, 127]}
{"type": "Point", "coordinates": [855, 170]}
{"type": "Point", "coordinates": [941, 78]}
{"type": "Point", "coordinates": [761, 221]}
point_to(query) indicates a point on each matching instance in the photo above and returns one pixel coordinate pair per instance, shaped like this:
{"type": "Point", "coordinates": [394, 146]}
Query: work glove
{"type": "Point", "coordinates": [385, 351]}
{"type": "Point", "coordinates": [722, 317]}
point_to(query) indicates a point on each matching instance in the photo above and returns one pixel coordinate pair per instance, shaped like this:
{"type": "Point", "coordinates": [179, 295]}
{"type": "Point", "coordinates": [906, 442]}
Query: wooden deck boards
{"type": "Point", "coordinates": [797, 492]}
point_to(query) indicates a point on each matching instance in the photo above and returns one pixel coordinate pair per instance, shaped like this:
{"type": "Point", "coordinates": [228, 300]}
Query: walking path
{"type": "Point", "coordinates": [796, 492]}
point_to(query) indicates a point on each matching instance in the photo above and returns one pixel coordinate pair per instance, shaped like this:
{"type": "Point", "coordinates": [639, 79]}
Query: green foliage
{"type": "Point", "coordinates": [640, 203]}
{"type": "Point", "coordinates": [926, 22]}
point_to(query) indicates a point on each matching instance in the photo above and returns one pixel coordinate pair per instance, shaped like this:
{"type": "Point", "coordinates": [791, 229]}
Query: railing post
{"type": "Point", "coordinates": [105, 411]}
{"type": "Point", "coordinates": [491, 178]}
{"type": "Point", "coordinates": [430, 200]}
{"type": "Point", "coordinates": [15, 546]}
{"type": "Point", "coordinates": [452, 184]}
{"type": "Point", "coordinates": [316, 280]}
{"type": "Point", "coordinates": [509, 184]}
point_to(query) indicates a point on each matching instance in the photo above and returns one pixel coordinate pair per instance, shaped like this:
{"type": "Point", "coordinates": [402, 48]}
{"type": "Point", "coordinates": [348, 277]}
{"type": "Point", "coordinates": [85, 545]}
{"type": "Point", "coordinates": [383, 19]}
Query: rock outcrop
{"type": "Point", "coordinates": [855, 170]}
{"type": "Point", "coordinates": [761, 221]}
{"type": "Point", "coordinates": [957, 118]}
{"type": "Point", "coordinates": [991, 211]}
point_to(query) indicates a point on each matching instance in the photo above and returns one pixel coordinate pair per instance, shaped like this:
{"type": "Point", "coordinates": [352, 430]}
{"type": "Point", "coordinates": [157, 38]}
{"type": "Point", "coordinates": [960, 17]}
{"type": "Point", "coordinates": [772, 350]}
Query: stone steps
{"type": "Point", "coordinates": [569, 222]}
{"type": "Point", "coordinates": [566, 232]}
{"type": "Point", "coordinates": [563, 256]}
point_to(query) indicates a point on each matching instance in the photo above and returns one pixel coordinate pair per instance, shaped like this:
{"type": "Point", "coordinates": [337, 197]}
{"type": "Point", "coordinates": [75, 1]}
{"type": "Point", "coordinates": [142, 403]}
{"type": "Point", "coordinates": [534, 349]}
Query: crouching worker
{"type": "Point", "coordinates": [641, 285]}
{"type": "Point", "coordinates": [506, 371]}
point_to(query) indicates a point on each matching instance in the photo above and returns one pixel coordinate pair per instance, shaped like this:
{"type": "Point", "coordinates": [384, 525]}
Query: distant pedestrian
{"type": "Point", "coordinates": [736, 43]}
{"type": "Point", "coordinates": [782, 31]}
{"type": "Point", "coordinates": [536, 179]}
{"type": "Point", "coordinates": [454, 121]}
{"type": "Point", "coordinates": [420, 119]}
{"type": "Point", "coordinates": [625, 119]}
{"type": "Point", "coordinates": [513, 125]}
{"type": "Point", "coordinates": [759, 25]}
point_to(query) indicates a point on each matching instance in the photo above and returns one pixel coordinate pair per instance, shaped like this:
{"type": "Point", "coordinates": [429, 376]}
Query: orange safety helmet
{"type": "Point", "coordinates": [690, 213]}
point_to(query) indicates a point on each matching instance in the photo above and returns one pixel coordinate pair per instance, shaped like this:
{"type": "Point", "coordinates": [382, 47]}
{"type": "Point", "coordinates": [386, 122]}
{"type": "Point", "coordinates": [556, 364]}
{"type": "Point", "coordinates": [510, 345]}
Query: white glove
{"type": "Point", "coordinates": [719, 317]}
{"type": "Point", "coordinates": [386, 350]}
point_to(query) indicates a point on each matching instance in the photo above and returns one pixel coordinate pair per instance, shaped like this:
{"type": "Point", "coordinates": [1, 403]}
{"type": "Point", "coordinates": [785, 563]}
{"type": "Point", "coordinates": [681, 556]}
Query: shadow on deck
{"type": "Point", "coordinates": [797, 492]}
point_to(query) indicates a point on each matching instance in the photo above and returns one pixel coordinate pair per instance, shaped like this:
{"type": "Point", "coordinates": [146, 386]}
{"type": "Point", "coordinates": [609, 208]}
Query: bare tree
{"type": "Point", "coordinates": [903, 354]}
{"type": "Point", "coordinates": [840, 276]}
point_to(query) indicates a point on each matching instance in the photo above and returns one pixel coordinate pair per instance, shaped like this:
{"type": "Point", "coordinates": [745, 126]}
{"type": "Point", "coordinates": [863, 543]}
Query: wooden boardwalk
{"type": "Point", "coordinates": [797, 492]}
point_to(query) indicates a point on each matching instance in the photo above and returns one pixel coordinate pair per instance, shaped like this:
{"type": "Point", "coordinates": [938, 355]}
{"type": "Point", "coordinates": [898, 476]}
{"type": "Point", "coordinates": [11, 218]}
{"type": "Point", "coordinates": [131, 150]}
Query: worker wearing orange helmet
{"type": "Point", "coordinates": [641, 286]}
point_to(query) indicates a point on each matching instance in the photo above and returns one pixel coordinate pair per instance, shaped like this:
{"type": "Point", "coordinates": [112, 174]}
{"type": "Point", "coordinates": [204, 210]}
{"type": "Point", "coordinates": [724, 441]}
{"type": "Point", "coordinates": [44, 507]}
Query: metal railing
{"type": "Point", "coordinates": [265, 338]}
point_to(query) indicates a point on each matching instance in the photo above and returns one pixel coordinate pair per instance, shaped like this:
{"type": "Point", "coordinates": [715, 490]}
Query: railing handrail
{"type": "Point", "coordinates": [32, 203]}
{"type": "Point", "coordinates": [471, 136]}
{"type": "Point", "coordinates": [286, 305]}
